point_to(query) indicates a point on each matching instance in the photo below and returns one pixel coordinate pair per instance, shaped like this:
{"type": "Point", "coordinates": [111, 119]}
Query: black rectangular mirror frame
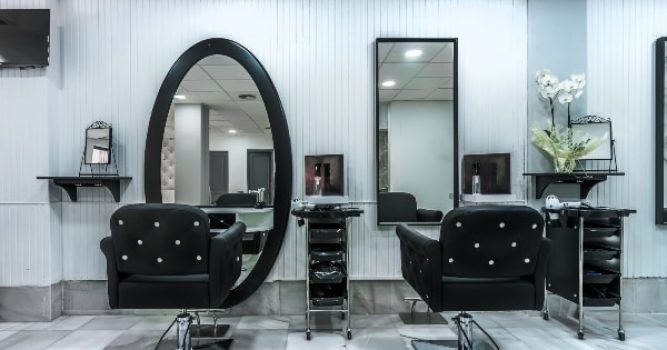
{"type": "Point", "coordinates": [454, 41]}
{"type": "Point", "coordinates": [660, 210]}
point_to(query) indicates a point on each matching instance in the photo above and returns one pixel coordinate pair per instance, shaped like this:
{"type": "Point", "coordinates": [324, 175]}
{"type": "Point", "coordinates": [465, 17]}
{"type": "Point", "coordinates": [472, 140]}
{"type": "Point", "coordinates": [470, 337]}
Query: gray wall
{"type": "Point", "coordinates": [191, 153]}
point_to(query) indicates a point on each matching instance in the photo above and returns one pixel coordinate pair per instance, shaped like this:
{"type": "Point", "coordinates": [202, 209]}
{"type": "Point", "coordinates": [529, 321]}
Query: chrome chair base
{"type": "Point", "coordinates": [414, 317]}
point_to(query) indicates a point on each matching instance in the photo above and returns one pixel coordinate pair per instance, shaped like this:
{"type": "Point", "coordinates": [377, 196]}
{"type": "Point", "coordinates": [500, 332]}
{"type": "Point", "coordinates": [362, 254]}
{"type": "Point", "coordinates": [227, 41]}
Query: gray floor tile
{"type": "Point", "coordinates": [265, 339]}
{"type": "Point", "coordinates": [263, 322]}
{"type": "Point", "coordinates": [111, 323]}
{"type": "Point", "coordinates": [85, 340]}
{"type": "Point", "coordinates": [28, 340]}
{"type": "Point", "coordinates": [63, 323]}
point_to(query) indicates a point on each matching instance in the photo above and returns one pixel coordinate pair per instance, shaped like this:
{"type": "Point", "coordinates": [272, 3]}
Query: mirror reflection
{"type": "Point", "coordinates": [415, 131]}
{"type": "Point", "coordinates": [98, 145]}
{"type": "Point", "coordinates": [217, 151]}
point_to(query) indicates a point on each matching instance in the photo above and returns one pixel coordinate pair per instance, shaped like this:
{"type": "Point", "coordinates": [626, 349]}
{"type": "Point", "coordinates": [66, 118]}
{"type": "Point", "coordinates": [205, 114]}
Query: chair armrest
{"type": "Point", "coordinates": [421, 265]}
{"type": "Point", "coordinates": [106, 245]}
{"type": "Point", "coordinates": [428, 215]}
{"type": "Point", "coordinates": [225, 259]}
{"type": "Point", "coordinates": [541, 272]}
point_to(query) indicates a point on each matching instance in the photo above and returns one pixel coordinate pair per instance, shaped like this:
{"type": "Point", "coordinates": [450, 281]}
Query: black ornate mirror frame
{"type": "Point", "coordinates": [281, 141]}
{"type": "Point", "coordinates": [660, 210]}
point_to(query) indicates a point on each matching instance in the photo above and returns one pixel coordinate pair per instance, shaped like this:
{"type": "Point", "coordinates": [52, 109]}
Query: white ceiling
{"type": "Point", "coordinates": [427, 77]}
{"type": "Point", "coordinates": [217, 81]}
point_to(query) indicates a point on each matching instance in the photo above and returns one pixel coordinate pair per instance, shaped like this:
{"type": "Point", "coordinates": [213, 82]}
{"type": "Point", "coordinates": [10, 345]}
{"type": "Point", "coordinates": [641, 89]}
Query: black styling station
{"type": "Point", "coordinates": [327, 263]}
{"type": "Point", "coordinates": [586, 266]}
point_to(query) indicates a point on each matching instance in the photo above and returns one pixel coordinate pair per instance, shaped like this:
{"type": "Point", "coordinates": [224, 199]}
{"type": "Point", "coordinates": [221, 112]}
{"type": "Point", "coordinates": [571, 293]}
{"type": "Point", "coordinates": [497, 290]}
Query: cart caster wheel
{"type": "Point", "coordinates": [580, 335]}
{"type": "Point", "coordinates": [349, 335]}
{"type": "Point", "coordinates": [621, 335]}
{"type": "Point", "coordinates": [307, 335]}
{"type": "Point", "coordinates": [545, 316]}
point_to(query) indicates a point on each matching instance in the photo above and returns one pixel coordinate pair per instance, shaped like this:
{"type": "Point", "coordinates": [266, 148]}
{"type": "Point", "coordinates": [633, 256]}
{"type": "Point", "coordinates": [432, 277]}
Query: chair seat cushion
{"type": "Point", "coordinates": [164, 291]}
{"type": "Point", "coordinates": [487, 294]}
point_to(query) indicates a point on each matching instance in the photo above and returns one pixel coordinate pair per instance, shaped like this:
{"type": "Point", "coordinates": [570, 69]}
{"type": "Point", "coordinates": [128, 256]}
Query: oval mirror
{"type": "Point", "coordinates": [218, 139]}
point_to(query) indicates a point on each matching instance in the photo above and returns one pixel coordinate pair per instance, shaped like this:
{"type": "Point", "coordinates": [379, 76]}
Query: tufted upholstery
{"type": "Point", "coordinates": [163, 256]}
{"type": "Point", "coordinates": [402, 207]}
{"type": "Point", "coordinates": [488, 258]}
{"type": "Point", "coordinates": [167, 167]}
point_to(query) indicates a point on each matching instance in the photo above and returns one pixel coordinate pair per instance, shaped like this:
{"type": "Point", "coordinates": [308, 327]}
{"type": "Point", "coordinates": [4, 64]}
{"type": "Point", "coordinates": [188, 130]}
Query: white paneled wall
{"type": "Point", "coordinates": [320, 56]}
{"type": "Point", "coordinates": [28, 250]}
{"type": "Point", "coordinates": [621, 44]}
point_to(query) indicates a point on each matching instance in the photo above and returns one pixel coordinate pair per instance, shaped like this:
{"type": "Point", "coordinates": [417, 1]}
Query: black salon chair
{"type": "Point", "coordinates": [402, 207]}
{"type": "Point", "coordinates": [163, 256]}
{"type": "Point", "coordinates": [237, 200]}
{"type": "Point", "coordinates": [488, 258]}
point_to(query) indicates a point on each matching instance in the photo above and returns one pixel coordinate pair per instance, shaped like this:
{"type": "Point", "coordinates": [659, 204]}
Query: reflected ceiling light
{"type": "Point", "coordinates": [232, 131]}
{"type": "Point", "coordinates": [413, 53]}
{"type": "Point", "coordinates": [388, 83]}
{"type": "Point", "coordinates": [179, 97]}
{"type": "Point", "coordinates": [248, 97]}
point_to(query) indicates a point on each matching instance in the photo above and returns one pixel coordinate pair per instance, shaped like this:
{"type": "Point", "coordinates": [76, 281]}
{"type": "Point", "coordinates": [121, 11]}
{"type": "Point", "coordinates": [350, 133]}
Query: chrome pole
{"type": "Point", "coordinates": [183, 322]}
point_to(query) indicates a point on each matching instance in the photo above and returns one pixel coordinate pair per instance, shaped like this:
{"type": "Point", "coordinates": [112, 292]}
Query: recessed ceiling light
{"type": "Point", "coordinates": [179, 97]}
{"type": "Point", "coordinates": [388, 83]}
{"type": "Point", "coordinates": [413, 53]}
{"type": "Point", "coordinates": [232, 131]}
{"type": "Point", "coordinates": [248, 97]}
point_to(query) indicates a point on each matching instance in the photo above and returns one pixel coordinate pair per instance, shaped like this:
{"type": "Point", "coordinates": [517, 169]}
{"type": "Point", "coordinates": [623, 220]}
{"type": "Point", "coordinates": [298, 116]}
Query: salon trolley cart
{"type": "Point", "coordinates": [327, 262]}
{"type": "Point", "coordinates": [587, 258]}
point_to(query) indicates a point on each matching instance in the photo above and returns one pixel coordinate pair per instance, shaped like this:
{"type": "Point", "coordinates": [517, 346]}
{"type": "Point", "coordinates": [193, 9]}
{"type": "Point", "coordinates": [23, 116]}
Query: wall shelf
{"type": "Point", "coordinates": [586, 180]}
{"type": "Point", "coordinates": [71, 183]}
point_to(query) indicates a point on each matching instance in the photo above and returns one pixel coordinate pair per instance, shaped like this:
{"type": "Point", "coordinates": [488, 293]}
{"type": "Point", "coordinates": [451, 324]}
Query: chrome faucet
{"type": "Point", "coordinates": [260, 194]}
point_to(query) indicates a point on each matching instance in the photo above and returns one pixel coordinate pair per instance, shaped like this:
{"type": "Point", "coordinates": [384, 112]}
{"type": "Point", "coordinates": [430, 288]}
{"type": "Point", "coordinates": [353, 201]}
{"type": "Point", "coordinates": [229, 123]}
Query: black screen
{"type": "Point", "coordinates": [24, 38]}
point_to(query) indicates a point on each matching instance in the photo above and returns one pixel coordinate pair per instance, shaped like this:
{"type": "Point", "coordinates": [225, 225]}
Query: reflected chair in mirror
{"type": "Point", "coordinates": [163, 256]}
{"type": "Point", "coordinates": [488, 258]}
{"type": "Point", "coordinates": [402, 207]}
{"type": "Point", "coordinates": [237, 200]}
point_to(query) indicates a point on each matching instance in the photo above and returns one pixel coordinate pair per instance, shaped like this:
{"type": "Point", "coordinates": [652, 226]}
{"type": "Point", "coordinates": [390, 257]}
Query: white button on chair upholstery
{"type": "Point", "coordinates": [140, 242]}
{"type": "Point", "coordinates": [501, 225]}
{"type": "Point", "coordinates": [196, 223]}
{"type": "Point", "coordinates": [198, 257]}
{"type": "Point", "coordinates": [156, 224]}
{"type": "Point", "coordinates": [513, 244]}
{"type": "Point", "coordinates": [534, 226]}
{"type": "Point", "coordinates": [491, 262]}
{"type": "Point", "coordinates": [120, 222]}
{"type": "Point", "coordinates": [526, 260]}
{"type": "Point", "coordinates": [476, 245]}
{"type": "Point", "coordinates": [458, 224]}
{"type": "Point", "coordinates": [177, 242]}
{"type": "Point", "coordinates": [159, 260]}
{"type": "Point", "coordinates": [451, 260]}
{"type": "Point", "coordinates": [124, 257]}
{"type": "Point", "coordinates": [238, 258]}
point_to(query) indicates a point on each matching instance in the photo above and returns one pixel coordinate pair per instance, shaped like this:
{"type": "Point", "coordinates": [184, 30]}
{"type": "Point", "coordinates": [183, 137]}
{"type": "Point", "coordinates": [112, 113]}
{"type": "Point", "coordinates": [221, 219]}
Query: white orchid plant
{"type": "Point", "coordinates": [565, 92]}
{"type": "Point", "coordinates": [564, 145]}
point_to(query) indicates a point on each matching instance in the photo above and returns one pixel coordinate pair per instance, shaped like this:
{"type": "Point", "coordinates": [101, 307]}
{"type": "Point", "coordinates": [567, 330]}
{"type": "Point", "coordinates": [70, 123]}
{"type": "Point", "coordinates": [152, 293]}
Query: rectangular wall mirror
{"type": "Point", "coordinates": [660, 136]}
{"type": "Point", "coordinates": [416, 130]}
{"type": "Point", "coordinates": [98, 145]}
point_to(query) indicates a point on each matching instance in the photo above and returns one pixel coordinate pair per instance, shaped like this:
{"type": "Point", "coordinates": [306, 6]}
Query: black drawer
{"type": "Point", "coordinates": [329, 301]}
{"type": "Point", "coordinates": [609, 242]}
{"type": "Point", "coordinates": [613, 265]}
{"type": "Point", "coordinates": [601, 295]}
{"type": "Point", "coordinates": [327, 273]}
{"type": "Point", "coordinates": [326, 235]}
{"type": "Point", "coordinates": [326, 255]}
{"type": "Point", "coordinates": [328, 294]}
{"type": "Point", "coordinates": [592, 255]}
{"type": "Point", "coordinates": [598, 277]}
{"type": "Point", "coordinates": [599, 232]}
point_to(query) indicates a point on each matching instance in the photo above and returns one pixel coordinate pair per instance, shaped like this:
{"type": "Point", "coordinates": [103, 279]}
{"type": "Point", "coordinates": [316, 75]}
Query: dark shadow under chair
{"type": "Point", "coordinates": [488, 258]}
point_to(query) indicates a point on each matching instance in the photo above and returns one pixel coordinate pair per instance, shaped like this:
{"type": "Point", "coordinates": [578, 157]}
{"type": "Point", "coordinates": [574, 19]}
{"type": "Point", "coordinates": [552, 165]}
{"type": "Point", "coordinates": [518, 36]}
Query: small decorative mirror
{"type": "Point", "coordinates": [97, 154]}
{"type": "Point", "coordinates": [598, 128]}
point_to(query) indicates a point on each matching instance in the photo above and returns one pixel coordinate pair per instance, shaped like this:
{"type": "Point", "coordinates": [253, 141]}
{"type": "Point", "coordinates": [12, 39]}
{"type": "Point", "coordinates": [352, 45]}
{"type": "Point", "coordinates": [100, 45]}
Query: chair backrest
{"type": "Point", "coordinates": [397, 207]}
{"type": "Point", "coordinates": [160, 239]}
{"type": "Point", "coordinates": [491, 241]}
{"type": "Point", "coordinates": [237, 200]}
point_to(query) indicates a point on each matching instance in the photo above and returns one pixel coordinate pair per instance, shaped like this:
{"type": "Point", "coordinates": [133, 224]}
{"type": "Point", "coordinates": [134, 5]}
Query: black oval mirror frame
{"type": "Point", "coordinates": [281, 143]}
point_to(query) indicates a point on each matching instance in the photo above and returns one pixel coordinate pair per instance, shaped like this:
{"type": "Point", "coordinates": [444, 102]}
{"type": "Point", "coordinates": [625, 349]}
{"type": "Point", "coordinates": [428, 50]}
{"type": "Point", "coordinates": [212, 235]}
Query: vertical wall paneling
{"type": "Point", "coordinates": [320, 56]}
{"type": "Point", "coordinates": [621, 40]}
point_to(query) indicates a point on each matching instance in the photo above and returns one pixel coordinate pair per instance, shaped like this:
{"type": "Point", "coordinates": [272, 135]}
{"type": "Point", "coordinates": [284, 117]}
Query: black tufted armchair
{"type": "Point", "coordinates": [402, 207]}
{"type": "Point", "coordinates": [488, 258]}
{"type": "Point", "coordinates": [163, 256]}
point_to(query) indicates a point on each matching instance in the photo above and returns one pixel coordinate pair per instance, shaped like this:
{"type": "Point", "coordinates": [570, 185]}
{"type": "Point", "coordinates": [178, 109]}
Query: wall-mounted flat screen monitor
{"type": "Point", "coordinates": [24, 38]}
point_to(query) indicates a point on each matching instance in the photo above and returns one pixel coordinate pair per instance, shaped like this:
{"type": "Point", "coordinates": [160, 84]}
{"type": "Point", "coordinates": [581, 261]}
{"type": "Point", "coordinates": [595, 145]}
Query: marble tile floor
{"type": "Point", "coordinates": [512, 330]}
